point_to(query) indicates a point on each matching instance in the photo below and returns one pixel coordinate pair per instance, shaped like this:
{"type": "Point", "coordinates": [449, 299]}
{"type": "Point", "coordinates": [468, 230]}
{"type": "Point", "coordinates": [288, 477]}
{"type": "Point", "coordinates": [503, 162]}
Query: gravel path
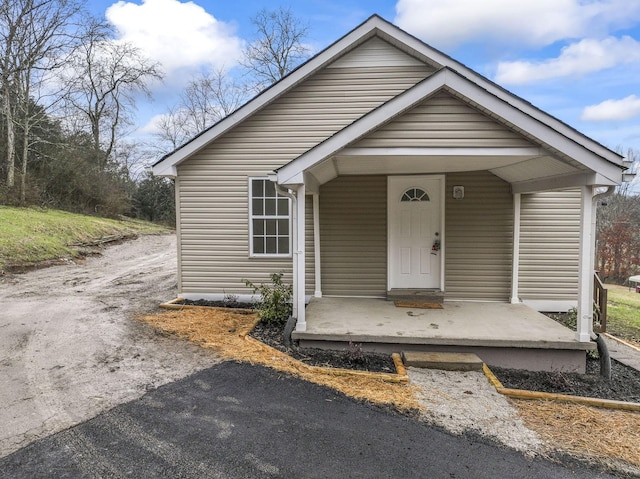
{"type": "Point", "coordinates": [69, 348]}
{"type": "Point", "coordinates": [461, 401]}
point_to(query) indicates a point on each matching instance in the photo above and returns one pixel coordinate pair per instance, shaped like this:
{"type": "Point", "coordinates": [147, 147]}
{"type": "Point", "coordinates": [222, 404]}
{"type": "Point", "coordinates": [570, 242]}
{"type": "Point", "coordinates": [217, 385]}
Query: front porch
{"type": "Point", "coordinates": [501, 334]}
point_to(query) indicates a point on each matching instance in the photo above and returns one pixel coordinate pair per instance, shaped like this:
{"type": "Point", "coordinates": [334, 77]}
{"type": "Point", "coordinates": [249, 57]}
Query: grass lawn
{"type": "Point", "coordinates": [29, 236]}
{"type": "Point", "coordinates": [623, 312]}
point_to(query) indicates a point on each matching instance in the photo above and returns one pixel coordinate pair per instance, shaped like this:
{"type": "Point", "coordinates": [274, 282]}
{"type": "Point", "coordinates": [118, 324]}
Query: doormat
{"type": "Point", "coordinates": [417, 304]}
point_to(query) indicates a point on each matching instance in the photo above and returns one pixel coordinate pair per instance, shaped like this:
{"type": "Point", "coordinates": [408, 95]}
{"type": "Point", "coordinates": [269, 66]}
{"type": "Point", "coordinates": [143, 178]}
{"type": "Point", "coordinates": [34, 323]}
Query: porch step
{"type": "Point", "coordinates": [446, 361]}
{"type": "Point", "coordinates": [426, 295]}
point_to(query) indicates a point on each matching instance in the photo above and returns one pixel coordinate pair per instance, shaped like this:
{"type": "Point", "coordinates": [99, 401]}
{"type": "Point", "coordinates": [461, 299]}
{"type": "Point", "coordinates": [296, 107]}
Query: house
{"type": "Point", "coordinates": [382, 164]}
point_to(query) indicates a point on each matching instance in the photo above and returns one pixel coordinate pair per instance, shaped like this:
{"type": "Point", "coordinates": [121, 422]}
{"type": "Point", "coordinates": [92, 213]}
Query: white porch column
{"type": "Point", "coordinates": [515, 262]}
{"type": "Point", "coordinates": [587, 251]}
{"type": "Point", "coordinates": [299, 260]}
{"type": "Point", "coordinates": [316, 245]}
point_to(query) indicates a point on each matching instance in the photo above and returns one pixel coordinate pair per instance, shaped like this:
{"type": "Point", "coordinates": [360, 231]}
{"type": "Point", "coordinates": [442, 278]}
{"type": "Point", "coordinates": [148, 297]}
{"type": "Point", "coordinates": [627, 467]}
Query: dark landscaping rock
{"type": "Point", "coordinates": [623, 386]}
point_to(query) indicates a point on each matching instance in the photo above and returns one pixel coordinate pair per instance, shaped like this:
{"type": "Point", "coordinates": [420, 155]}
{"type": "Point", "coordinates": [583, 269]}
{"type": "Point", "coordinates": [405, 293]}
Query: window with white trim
{"type": "Point", "coordinates": [269, 219]}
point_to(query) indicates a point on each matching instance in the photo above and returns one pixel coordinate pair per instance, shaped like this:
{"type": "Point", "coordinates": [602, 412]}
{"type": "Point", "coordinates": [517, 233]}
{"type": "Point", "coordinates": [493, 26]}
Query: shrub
{"type": "Point", "coordinates": [274, 305]}
{"type": "Point", "coordinates": [568, 319]}
{"type": "Point", "coordinates": [354, 354]}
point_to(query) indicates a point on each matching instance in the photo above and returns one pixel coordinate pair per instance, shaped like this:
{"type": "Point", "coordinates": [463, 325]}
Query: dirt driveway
{"type": "Point", "coordinates": [69, 348]}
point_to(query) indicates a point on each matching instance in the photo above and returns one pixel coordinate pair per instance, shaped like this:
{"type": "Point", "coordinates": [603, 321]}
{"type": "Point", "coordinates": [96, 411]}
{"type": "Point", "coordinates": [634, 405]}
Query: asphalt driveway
{"type": "Point", "coordinates": [241, 421]}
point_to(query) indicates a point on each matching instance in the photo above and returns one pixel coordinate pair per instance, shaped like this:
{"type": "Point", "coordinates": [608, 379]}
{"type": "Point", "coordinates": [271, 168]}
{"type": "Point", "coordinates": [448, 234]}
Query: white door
{"type": "Point", "coordinates": [415, 236]}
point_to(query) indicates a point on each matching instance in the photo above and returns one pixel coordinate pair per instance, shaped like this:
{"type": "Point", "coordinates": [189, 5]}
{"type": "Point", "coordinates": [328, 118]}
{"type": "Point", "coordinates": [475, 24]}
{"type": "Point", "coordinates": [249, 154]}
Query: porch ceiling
{"type": "Point", "coordinates": [513, 165]}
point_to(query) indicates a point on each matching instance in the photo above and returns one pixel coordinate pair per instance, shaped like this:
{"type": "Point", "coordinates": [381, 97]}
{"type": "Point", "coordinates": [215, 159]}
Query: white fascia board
{"type": "Point", "coordinates": [441, 151]}
{"type": "Point", "coordinates": [167, 170]}
{"type": "Point", "coordinates": [561, 182]}
{"type": "Point", "coordinates": [536, 128]}
{"type": "Point", "coordinates": [348, 42]}
{"type": "Point", "coordinates": [362, 126]}
{"type": "Point", "coordinates": [500, 92]}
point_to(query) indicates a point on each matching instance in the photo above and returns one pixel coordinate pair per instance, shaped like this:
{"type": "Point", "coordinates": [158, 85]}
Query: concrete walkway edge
{"type": "Point", "coordinates": [623, 352]}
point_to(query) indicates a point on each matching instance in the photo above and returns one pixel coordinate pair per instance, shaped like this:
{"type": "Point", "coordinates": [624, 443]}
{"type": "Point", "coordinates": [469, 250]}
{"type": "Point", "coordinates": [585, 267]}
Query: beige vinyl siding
{"type": "Point", "coordinates": [549, 245]}
{"type": "Point", "coordinates": [215, 238]}
{"type": "Point", "coordinates": [353, 236]}
{"type": "Point", "coordinates": [176, 186]}
{"type": "Point", "coordinates": [313, 111]}
{"type": "Point", "coordinates": [309, 264]}
{"type": "Point", "coordinates": [217, 258]}
{"type": "Point", "coordinates": [443, 121]}
{"type": "Point", "coordinates": [375, 52]}
{"type": "Point", "coordinates": [478, 237]}
{"type": "Point", "coordinates": [213, 187]}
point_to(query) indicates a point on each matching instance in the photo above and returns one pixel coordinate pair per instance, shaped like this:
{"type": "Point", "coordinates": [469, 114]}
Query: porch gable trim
{"type": "Point", "coordinates": [561, 182]}
{"type": "Point", "coordinates": [457, 84]}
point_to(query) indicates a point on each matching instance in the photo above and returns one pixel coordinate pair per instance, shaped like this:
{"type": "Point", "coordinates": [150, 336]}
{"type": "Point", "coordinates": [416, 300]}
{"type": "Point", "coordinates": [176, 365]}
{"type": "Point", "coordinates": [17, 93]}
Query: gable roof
{"type": "Point", "coordinates": [454, 82]}
{"type": "Point", "coordinates": [374, 26]}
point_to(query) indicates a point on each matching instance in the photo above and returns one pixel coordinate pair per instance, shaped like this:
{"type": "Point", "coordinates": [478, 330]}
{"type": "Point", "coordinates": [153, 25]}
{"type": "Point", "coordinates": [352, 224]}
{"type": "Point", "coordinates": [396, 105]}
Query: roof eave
{"type": "Point", "coordinates": [372, 26]}
{"type": "Point", "coordinates": [349, 41]}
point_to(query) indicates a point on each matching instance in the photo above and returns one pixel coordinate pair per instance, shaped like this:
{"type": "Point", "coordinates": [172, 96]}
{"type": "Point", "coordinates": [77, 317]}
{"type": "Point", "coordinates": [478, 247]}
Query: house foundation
{"type": "Point", "coordinates": [501, 334]}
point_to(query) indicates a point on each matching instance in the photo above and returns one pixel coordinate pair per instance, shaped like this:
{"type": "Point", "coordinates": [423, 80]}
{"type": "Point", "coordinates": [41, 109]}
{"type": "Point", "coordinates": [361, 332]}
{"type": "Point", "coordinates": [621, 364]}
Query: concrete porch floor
{"type": "Point", "coordinates": [502, 334]}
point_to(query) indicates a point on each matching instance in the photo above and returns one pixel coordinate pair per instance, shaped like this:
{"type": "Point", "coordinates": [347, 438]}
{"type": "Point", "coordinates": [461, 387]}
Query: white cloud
{"type": "Point", "coordinates": [579, 58]}
{"type": "Point", "coordinates": [152, 126]}
{"type": "Point", "coordinates": [446, 24]}
{"type": "Point", "coordinates": [623, 109]}
{"type": "Point", "coordinates": [176, 34]}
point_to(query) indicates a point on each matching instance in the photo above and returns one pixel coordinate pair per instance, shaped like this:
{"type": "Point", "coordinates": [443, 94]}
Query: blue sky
{"type": "Point", "coordinates": [576, 59]}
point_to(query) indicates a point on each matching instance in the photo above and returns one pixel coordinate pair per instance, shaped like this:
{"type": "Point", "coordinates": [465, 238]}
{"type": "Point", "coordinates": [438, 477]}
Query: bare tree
{"type": "Point", "coordinates": [618, 230]}
{"type": "Point", "coordinates": [205, 100]}
{"type": "Point", "coordinates": [103, 82]}
{"type": "Point", "coordinates": [33, 39]}
{"type": "Point", "coordinates": [278, 48]}
{"type": "Point", "coordinates": [172, 130]}
{"type": "Point", "coordinates": [209, 98]}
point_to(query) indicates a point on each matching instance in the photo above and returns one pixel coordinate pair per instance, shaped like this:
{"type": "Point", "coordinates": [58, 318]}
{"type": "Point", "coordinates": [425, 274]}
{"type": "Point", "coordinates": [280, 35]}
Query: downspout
{"type": "Point", "coordinates": [291, 322]}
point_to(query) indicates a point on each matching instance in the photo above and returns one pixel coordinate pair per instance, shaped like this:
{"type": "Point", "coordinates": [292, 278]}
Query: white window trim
{"type": "Point", "coordinates": [251, 217]}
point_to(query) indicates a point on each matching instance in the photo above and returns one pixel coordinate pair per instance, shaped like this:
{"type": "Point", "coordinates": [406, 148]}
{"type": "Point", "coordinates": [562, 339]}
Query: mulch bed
{"type": "Point", "coordinates": [231, 303]}
{"type": "Point", "coordinates": [623, 386]}
{"type": "Point", "coordinates": [352, 357]}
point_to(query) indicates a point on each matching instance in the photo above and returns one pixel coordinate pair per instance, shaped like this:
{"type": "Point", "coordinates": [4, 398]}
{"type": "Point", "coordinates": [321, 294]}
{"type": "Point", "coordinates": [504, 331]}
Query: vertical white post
{"type": "Point", "coordinates": [299, 251]}
{"type": "Point", "coordinates": [294, 256]}
{"type": "Point", "coordinates": [515, 262]}
{"type": "Point", "coordinates": [178, 232]}
{"type": "Point", "coordinates": [316, 245]}
{"type": "Point", "coordinates": [585, 281]}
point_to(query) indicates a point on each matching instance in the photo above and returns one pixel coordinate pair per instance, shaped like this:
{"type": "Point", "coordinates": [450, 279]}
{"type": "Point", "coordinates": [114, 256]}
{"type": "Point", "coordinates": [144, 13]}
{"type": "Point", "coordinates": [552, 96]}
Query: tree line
{"type": "Point", "coordinates": [618, 231]}
{"type": "Point", "coordinates": [68, 94]}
